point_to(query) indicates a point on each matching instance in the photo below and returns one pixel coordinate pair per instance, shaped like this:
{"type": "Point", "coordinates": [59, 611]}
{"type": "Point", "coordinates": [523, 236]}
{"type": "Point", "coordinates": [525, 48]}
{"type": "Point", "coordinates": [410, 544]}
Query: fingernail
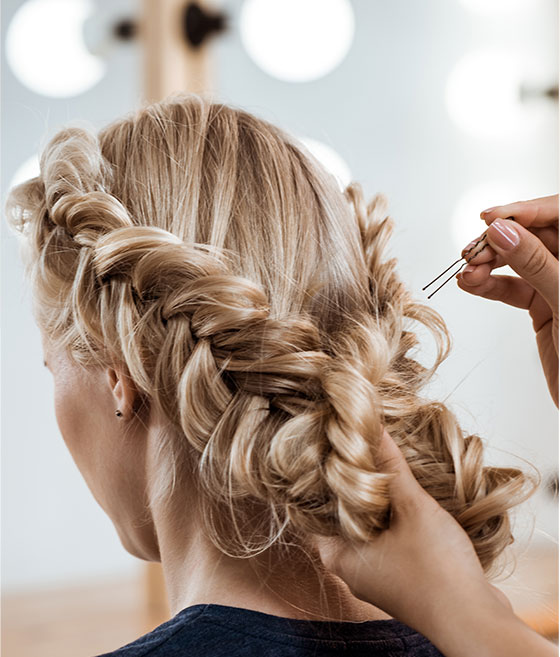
{"type": "Point", "coordinates": [503, 236]}
{"type": "Point", "coordinates": [469, 246]}
{"type": "Point", "coordinates": [489, 210]}
{"type": "Point", "coordinates": [468, 269]}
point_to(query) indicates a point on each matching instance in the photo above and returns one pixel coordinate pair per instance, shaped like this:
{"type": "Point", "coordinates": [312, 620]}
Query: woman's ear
{"type": "Point", "coordinates": [125, 393]}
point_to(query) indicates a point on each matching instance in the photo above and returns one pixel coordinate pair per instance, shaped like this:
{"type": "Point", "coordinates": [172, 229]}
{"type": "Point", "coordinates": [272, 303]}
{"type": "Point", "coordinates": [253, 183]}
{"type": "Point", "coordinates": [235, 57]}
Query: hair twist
{"type": "Point", "coordinates": [253, 304]}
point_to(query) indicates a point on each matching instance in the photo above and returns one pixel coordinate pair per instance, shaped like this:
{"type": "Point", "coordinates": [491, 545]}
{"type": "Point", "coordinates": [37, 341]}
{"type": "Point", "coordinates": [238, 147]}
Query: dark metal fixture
{"type": "Point", "coordinates": [125, 29]}
{"type": "Point", "coordinates": [199, 24]}
{"type": "Point", "coordinates": [527, 92]}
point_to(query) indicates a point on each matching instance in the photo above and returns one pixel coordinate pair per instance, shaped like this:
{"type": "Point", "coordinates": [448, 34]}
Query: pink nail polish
{"type": "Point", "coordinates": [503, 236]}
{"type": "Point", "coordinates": [469, 246]}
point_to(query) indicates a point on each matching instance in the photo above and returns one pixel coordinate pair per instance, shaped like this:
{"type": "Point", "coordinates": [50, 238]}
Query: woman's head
{"type": "Point", "coordinates": [195, 264]}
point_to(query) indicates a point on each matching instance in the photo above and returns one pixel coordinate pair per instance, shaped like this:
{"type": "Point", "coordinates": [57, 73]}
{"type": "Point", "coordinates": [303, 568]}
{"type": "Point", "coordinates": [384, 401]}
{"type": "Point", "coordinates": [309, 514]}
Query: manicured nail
{"type": "Point", "coordinates": [469, 246]}
{"type": "Point", "coordinates": [503, 236]}
{"type": "Point", "coordinates": [489, 210]}
{"type": "Point", "coordinates": [468, 269]}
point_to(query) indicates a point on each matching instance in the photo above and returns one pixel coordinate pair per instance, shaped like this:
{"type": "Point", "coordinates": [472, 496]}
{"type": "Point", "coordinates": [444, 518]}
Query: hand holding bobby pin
{"type": "Point", "coordinates": [529, 245]}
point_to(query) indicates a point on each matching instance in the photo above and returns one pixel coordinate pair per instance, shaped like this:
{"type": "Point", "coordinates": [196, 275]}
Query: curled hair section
{"type": "Point", "coordinates": [253, 303]}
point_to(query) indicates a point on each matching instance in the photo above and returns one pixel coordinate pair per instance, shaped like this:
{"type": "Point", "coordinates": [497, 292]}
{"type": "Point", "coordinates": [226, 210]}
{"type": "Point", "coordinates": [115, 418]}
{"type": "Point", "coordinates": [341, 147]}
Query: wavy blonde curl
{"type": "Point", "coordinates": [208, 252]}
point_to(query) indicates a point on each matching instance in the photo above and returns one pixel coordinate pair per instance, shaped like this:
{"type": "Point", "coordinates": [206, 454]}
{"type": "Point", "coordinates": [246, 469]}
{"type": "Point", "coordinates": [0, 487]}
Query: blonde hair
{"type": "Point", "coordinates": [249, 299]}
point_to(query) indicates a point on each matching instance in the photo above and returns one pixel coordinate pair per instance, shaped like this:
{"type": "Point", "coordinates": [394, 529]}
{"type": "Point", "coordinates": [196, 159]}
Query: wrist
{"type": "Point", "coordinates": [455, 608]}
{"type": "Point", "coordinates": [472, 621]}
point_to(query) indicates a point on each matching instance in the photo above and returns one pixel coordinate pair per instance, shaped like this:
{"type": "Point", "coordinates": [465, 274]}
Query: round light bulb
{"type": "Point", "coordinates": [29, 169]}
{"type": "Point", "coordinates": [297, 40]}
{"type": "Point", "coordinates": [46, 51]}
{"type": "Point", "coordinates": [483, 94]}
{"type": "Point", "coordinates": [330, 159]}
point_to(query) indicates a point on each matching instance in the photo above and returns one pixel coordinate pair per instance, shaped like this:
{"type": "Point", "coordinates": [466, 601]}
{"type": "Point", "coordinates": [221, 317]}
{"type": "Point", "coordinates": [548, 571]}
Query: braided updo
{"type": "Point", "coordinates": [207, 252]}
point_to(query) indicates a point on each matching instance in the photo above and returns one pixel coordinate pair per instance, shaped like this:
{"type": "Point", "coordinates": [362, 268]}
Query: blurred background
{"type": "Point", "coordinates": [446, 106]}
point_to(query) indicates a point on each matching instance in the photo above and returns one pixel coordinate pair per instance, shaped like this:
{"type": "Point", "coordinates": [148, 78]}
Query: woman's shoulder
{"type": "Point", "coordinates": [213, 630]}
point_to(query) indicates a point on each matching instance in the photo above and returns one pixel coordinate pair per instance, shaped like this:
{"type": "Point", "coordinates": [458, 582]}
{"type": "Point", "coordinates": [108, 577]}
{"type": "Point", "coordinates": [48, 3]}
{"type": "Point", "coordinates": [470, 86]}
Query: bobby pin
{"type": "Point", "coordinates": [467, 260]}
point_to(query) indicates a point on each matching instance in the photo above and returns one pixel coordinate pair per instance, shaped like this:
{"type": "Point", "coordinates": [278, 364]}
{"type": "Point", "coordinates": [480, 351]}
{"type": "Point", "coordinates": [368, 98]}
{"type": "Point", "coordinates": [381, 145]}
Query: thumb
{"type": "Point", "coordinates": [527, 256]}
{"type": "Point", "coordinates": [390, 458]}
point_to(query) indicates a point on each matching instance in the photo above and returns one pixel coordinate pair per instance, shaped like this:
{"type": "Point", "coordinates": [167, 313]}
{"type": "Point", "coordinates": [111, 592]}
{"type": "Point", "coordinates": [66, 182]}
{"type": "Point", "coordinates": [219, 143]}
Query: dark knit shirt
{"type": "Point", "coordinates": [211, 630]}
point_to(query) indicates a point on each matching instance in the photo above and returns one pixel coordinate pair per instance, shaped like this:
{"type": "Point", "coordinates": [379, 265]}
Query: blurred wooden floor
{"type": "Point", "coordinates": [78, 621]}
{"type": "Point", "coordinates": [86, 620]}
{"type": "Point", "coordinates": [533, 589]}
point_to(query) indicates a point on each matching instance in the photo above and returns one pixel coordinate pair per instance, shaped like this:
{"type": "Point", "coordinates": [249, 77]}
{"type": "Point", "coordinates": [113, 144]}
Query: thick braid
{"type": "Point", "coordinates": [62, 213]}
{"type": "Point", "coordinates": [269, 413]}
{"type": "Point", "coordinates": [179, 304]}
{"type": "Point", "coordinates": [173, 314]}
{"type": "Point", "coordinates": [279, 412]}
{"type": "Point", "coordinates": [448, 464]}
{"type": "Point", "coordinates": [220, 318]}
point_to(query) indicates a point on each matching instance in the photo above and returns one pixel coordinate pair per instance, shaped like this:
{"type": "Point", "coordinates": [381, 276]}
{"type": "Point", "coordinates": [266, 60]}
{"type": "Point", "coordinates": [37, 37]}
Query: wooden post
{"type": "Point", "coordinates": [169, 64]}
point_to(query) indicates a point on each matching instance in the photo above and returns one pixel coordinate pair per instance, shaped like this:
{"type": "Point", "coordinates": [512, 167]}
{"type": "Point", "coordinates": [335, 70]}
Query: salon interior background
{"type": "Point", "coordinates": [444, 105]}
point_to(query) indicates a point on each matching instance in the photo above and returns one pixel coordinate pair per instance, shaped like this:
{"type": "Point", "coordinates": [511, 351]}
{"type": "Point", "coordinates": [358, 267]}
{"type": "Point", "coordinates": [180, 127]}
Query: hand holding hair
{"type": "Point", "coordinates": [529, 245]}
{"type": "Point", "coordinates": [424, 571]}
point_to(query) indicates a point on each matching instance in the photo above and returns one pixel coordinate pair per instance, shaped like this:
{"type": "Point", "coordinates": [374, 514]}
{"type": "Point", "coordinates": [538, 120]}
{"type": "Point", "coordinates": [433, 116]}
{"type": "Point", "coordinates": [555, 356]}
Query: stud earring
{"type": "Point", "coordinates": [118, 413]}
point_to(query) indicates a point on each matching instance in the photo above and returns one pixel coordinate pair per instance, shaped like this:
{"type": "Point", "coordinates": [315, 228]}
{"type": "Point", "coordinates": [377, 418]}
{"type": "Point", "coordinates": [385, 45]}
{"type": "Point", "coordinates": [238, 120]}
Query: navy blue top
{"type": "Point", "coordinates": [211, 630]}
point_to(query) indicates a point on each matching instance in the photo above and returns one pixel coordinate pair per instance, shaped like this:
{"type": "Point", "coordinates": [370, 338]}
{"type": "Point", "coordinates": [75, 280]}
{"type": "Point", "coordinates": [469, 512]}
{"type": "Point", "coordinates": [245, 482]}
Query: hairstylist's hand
{"type": "Point", "coordinates": [529, 245]}
{"type": "Point", "coordinates": [424, 571]}
{"type": "Point", "coordinates": [413, 564]}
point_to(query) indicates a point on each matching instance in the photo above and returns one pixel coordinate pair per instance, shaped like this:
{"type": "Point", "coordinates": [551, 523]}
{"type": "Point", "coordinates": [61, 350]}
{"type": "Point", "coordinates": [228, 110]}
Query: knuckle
{"type": "Point", "coordinates": [536, 262]}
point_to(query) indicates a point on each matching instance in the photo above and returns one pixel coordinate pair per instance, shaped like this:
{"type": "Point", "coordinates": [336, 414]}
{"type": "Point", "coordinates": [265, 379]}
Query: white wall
{"type": "Point", "coordinates": [53, 531]}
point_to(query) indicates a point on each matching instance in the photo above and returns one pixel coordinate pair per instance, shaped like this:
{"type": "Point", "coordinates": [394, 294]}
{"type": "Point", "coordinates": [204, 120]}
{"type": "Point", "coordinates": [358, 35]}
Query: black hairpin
{"type": "Point", "coordinates": [479, 241]}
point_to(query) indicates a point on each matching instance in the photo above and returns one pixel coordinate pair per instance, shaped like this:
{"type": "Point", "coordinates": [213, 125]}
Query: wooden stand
{"type": "Point", "coordinates": [169, 65]}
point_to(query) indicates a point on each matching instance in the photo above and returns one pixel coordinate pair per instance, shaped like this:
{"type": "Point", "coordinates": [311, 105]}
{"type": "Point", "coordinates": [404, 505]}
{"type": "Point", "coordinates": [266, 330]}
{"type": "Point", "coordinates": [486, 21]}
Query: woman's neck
{"type": "Point", "coordinates": [197, 572]}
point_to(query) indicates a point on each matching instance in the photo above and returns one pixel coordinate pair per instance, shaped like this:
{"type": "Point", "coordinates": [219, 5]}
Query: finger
{"type": "Point", "coordinates": [508, 289]}
{"type": "Point", "coordinates": [483, 252]}
{"type": "Point", "coordinates": [389, 458]}
{"type": "Point", "coordinates": [548, 236]}
{"type": "Point", "coordinates": [479, 251]}
{"type": "Point", "coordinates": [329, 548]}
{"type": "Point", "coordinates": [486, 255]}
{"type": "Point", "coordinates": [527, 256]}
{"type": "Point", "coordinates": [403, 487]}
{"type": "Point", "coordinates": [475, 275]}
{"type": "Point", "coordinates": [541, 211]}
